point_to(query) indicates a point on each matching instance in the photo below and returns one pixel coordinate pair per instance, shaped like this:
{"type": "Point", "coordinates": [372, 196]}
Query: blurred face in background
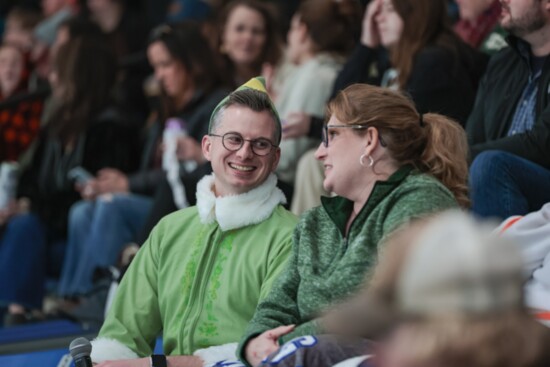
{"type": "Point", "coordinates": [296, 40]}
{"type": "Point", "coordinates": [470, 10]}
{"type": "Point", "coordinates": [15, 34]}
{"type": "Point", "coordinates": [523, 17]}
{"type": "Point", "coordinates": [390, 24]}
{"type": "Point", "coordinates": [11, 69]}
{"type": "Point", "coordinates": [50, 7]}
{"type": "Point", "coordinates": [170, 72]}
{"type": "Point", "coordinates": [244, 36]}
{"type": "Point", "coordinates": [99, 6]}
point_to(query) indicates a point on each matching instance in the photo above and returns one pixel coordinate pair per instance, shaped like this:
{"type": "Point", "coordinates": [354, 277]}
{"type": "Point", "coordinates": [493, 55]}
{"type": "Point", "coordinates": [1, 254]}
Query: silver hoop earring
{"type": "Point", "coordinates": [361, 162]}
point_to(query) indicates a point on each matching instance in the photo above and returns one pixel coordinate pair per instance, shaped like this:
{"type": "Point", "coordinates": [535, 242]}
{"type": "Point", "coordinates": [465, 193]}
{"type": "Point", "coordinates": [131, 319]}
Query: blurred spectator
{"type": "Point", "coordinates": [509, 128]}
{"type": "Point", "coordinates": [427, 60]}
{"type": "Point", "coordinates": [75, 27]}
{"type": "Point", "coordinates": [126, 30]}
{"type": "Point", "coordinates": [54, 12]}
{"type": "Point", "coordinates": [530, 233]}
{"type": "Point", "coordinates": [20, 113]}
{"type": "Point", "coordinates": [118, 204]}
{"type": "Point", "coordinates": [478, 24]}
{"type": "Point", "coordinates": [124, 27]}
{"type": "Point", "coordinates": [321, 35]}
{"type": "Point", "coordinates": [84, 130]}
{"type": "Point", "coordinates": [418, 37]}
{"type": "Point", "coordinates": [12, 65]}
{"type": "Point", "coordinates": [248, 40]}
{"type": "Point", "coordinates": [20, 23]}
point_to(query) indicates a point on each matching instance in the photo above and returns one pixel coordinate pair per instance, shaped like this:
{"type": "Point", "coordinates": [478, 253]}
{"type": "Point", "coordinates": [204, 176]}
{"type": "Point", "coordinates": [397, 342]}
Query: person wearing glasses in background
{"type": "Point", "coordinates": [388, 164]}
{"type": "Point", "coordinates": [200, 275]}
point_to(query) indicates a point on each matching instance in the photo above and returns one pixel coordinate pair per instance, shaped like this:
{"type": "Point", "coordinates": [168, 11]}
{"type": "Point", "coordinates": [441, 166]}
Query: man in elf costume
{"type": "Point", "coordinates": [203, 270]}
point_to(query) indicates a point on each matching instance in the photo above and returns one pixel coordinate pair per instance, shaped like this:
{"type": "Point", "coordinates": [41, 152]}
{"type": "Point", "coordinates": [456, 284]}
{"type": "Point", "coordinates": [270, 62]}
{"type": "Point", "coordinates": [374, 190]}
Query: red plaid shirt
{"type": "Point", "coordinates": [19, 124]}
{"type": "Point", "coordinates": [474, 33]}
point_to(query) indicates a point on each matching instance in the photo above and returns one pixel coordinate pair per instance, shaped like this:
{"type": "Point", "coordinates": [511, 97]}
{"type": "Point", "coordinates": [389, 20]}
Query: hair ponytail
{"type": "Point", "coordinates": [445, 154]}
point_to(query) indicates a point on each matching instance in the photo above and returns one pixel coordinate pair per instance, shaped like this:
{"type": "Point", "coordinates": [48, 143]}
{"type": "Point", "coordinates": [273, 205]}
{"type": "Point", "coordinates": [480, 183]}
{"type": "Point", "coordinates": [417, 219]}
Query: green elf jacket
{"type": "Point", "coordinates": [200, 275]}
{"type": "Point", "coordinates": [326, 266]}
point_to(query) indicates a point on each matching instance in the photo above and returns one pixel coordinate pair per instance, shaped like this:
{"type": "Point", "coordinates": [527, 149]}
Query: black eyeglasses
{"type": "Point", "coordinates": [325, 136]}
{"type": "Point", "coordinates": [235, 141]}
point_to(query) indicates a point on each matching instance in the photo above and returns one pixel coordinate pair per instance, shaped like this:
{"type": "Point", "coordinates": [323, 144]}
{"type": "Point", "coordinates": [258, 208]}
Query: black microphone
{"type": "Point", "coordinates": [80, 350]}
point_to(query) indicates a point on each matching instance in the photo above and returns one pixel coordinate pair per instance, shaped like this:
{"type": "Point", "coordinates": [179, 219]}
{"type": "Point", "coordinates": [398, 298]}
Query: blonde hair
{"type": "Point", "coordinates": [433, 143]}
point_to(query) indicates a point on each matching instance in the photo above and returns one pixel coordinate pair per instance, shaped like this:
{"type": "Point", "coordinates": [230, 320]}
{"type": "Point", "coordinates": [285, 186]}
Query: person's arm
{"type": "Point", "coordinates": [134, 320]}
{"type": "Point", "coordinates": [357, 68]}
{"type": "Point", "coordinates": [280, 307]}
{"type": "Point", "coordinates": [533, 145]}
{"type": "Point", "coordinates": [146, 182]}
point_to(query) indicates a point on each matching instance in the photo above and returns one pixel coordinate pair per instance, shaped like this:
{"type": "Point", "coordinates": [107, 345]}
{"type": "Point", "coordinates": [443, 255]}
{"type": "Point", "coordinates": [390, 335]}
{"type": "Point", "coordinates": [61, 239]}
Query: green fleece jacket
{"type": "Point", "coordinates": [326, 266]}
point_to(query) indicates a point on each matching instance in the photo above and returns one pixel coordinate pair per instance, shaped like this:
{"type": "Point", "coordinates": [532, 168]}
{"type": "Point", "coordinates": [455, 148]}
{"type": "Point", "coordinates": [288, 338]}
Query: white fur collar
{"type": "Point", "coordinates": [236, 211]}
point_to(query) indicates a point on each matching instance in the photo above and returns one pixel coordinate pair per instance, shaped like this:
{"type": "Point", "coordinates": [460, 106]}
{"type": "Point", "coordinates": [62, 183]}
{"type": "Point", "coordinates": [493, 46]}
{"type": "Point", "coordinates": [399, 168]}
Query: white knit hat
{"type": "Point", "coordinates": [457, 266]}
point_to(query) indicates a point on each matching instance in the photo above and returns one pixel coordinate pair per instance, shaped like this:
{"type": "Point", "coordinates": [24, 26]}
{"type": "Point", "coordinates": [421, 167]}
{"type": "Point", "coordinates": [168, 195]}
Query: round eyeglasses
{"type": "Point", "coordinates": [235, 141]}
{"type": "Point", "coordinates": [326, 136]}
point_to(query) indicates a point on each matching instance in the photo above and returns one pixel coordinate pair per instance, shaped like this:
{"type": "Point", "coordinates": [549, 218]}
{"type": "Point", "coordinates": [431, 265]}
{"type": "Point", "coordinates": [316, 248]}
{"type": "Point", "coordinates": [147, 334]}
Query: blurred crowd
{"type": "Point", "coordinates": [105, 110]}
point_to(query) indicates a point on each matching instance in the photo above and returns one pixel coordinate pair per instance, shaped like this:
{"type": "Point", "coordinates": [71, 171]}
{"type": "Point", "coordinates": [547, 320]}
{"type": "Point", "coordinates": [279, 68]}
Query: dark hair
{"type": "Point", "coordinates": [86, 72]}
{"type": "Point", "coordinates": [334, 26]}
{"type": "Point", "coordinates": [424, 22]}
{"type": "Point", "coordinates": [28, 18]}
{"type": "Point", "coordinates": [255, 100]}
{"type": "Point", "coordinates": [432, 143]}
{"type": "Point", "coordinates": [272, 50]}
{"type": "Point", "coordinates": [187, 45]}
{"type": "Point", "coordinates": [79, 26]}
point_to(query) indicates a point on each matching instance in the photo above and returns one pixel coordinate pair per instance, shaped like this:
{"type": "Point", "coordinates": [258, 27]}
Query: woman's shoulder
{"type": "Point", "coordinates": [424, 185]}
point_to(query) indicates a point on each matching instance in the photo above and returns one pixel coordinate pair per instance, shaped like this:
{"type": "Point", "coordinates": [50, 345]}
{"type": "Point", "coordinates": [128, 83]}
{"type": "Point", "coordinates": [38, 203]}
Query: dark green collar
{"type": "Point", "coordinates": [339, 208]}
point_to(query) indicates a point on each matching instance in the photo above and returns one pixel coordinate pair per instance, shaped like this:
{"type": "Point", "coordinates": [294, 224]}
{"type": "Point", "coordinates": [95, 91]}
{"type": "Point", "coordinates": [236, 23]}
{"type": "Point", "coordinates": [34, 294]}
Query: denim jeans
{"type": "Point", "coordinates": [97, 232]}
{"type": "Point", "coordinates": [23, 246]}
{"type": "Point", "coordinates": [503, 184]}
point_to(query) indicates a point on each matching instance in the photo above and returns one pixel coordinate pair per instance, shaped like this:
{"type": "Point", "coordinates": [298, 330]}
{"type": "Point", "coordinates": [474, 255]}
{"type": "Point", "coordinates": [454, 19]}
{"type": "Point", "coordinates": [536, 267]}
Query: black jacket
{"type": "Point", "coordinates": [196, 114]}
{"type": "Point", "coordinates": [441, 80]}
{"type": "Point", "coordinates": [498, 95]}
{"type": "Point", "coordinates": [107, 142]}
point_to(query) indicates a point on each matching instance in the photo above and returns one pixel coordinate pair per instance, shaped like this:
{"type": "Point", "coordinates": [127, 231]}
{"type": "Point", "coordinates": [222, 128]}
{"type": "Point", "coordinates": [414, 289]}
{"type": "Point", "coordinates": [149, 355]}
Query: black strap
{"type": "Point", "coordinates": [158, 360]}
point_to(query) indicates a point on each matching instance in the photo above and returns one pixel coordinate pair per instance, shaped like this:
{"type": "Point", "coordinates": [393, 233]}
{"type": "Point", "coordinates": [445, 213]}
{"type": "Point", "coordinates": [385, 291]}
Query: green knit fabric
{"type": "Point", "coordinates": [326, 267]}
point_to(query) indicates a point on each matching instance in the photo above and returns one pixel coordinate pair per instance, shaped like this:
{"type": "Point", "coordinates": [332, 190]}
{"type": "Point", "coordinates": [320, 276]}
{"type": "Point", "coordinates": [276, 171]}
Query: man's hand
{"type": "Point", "coordinates": [265, 344]}
{"type": "Point", "coordinates": [296, 125]}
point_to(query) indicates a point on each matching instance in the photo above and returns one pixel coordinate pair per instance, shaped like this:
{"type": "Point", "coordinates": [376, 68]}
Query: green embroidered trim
{"type": "Point", "coordinates": [191, 270]}
{"type": "Point", "coordinates": [209, 328]}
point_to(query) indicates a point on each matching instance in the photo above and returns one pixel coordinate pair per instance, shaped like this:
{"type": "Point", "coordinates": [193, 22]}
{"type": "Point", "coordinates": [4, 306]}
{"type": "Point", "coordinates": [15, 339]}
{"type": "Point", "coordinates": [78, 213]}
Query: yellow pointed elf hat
{"type": "Point", "coordinates": [256, 83]}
